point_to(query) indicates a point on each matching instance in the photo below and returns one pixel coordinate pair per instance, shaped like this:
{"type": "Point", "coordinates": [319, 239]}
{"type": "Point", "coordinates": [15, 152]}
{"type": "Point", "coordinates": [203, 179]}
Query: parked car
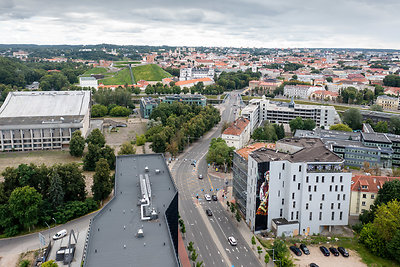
{"type": "Point", "coordinates": [295, 250]}
{"type": "Point", "coordinates": [207, 197]}
{"type": "Point", "coordinates": [209, 212]}
{"type": "Point", "coordinates": [304, 249]}
{"type": "Point", "coordinates": [232, 241]}
{"type": "Point", "coordinates": [313, 265]}
{"type": "Point", "coordinates": [60, 234]}
{"type": "Point", "coordinates": [334, 251]}
{"type": "Point", "coordinates": [214, 197]}
{"type": "Point", "coordinates": [343, 251]}
{"type": "Point", "coordinates": [200, 176]}
{"type": "Point", "coordinates": [194, 163]}
{"type": "Point", "coordinates": [324, 251]}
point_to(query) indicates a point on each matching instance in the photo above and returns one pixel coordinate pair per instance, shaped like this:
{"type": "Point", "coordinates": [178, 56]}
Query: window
{"type": "Point", "coordinates": [279, 176]}
{"type": "Point", "coordinates": [338, 197]}
{"type": "Point", "coordinates": [291, 216]}
{"type": "Point", "coordinates": [306, 206]}
{"type": "Point", "coordinates": [320, 216]}
{"type": "Point", "coordinates": [315, 188]}
{"type": "Point", "coordinates": [310, 216]}
{"type": "Point", "coordinates": [341, 179]}
{"type": "Point", "coordinates": [309, 188]}
{"type": "Point", "coordinates": [279, 193]}
{"type": "Point", "coordinates": [323, 179]}
{"type": "Point", "coordinates": [333, 179]}
{"type": "Point", "coordinates": [336, 188]}
{"type": "Point", "coordinates": [316, 179]}
{"type": "Point", "coordinates": [363, 203]}
{"type": "Point", "coordinates": [333, 215]}
{"type": "Point", "coordinates": [332, 206]}
{"type": "Point", "coordinates": [294, 178]}
{"type": "Point", "coordinates": [341, 188]}
{"type": "Point", "coordinates": [320, 206]}
{"type": "Point", "coordinates": [338, 206]}
{"type": "Point", "coordinates": [298, 186]}
{"type": "Point", "coordinates": [364, 195]}
{"type": "Point", "coordinates": [281, 213]}
{"type": "Point", "coordinates": [283, 183]}
{"type": "Point", "coordinates": [330, 188]}
{"type": "Point", "coordinates": [310, 197]}
{"type": "Point", "coordinates": [292, 195]}
{"type": "Point", "coordinates": [299, 168]}
{"type": "Point", "coordinates": [283, 201]}
{"type": "Point", "coordinates": [323, 197]}
{"type": "Point", "coordinates": [294, 204]}
{"type": "Point", "coordinates": [344, 197]}
{"type": "Point", "coordinates": [372, 196]}
{"type": "Point", "coordinates": [283, 166]}
{"type": "Point", "coordinates": [306, 179]}
{"type": "Point", "coordinates": [297, 215]}
{"type": "Point", "coordinates": [341, 215]}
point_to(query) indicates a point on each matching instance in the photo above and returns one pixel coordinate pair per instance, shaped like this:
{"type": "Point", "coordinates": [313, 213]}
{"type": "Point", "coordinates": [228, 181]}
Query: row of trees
{"type": "Point", "coordinates": [121, 96]}
{"type": "Point", "coordinates": [392, 80]}
{"type": "Point", "coordinates": [269, 132]}
{"type": "Point", "coordinates": [113, 110]}
{"type": "Point", "coordinates": [351, 95]}
{"type": "Point", "coordinates": [380, 225]}
{"type": "Point", "coordinates": [172, 126]}
{"type": "Point", "coordinates": [236, 80]}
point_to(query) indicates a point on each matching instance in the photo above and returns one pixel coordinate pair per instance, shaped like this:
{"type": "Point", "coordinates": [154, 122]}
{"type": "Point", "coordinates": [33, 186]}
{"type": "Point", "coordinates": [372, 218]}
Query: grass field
{"type": "Point", "coordinates": [149, 72]}
{"type": "Point", "coordinates": [98, 70]}
{"type": "Point", "coordinates": [120, 78]}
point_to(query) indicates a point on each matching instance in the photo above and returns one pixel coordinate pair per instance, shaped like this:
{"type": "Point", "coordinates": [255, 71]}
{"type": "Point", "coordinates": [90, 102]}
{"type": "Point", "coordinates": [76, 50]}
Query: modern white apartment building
{"type": "Point", "coordinates": [252, 113]}
{"type": "Point", "coordinates": [195, 73]}
{"type": "Point", "coordinates": [298, 188]}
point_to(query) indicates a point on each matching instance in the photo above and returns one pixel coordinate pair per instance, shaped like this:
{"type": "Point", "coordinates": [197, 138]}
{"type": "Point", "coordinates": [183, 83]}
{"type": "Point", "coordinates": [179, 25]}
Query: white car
{"type": "Point", "coordinates": [207, 197]}
{"type": "Point", "coordinates": [60, 234]}
{"type": "Point", "coordinates": [232, 241]}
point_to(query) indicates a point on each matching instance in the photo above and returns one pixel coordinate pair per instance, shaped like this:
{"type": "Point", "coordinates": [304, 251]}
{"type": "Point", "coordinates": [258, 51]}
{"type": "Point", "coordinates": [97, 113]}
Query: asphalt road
{"type": "Point", "coordinates": [209, 233]}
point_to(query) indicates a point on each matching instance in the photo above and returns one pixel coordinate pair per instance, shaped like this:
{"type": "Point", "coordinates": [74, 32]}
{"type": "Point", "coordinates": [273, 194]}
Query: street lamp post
{"type": "Point", "coordinates": [49, 229]}
{"type": "Point", "coordinates": [273, 255]}
{"type": "Point", "coordinates": [55, 221]}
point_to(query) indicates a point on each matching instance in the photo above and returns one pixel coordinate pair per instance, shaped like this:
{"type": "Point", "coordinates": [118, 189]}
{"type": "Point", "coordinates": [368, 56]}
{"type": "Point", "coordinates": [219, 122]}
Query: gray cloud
{"type": "Point", "coordinates": [268, 23]}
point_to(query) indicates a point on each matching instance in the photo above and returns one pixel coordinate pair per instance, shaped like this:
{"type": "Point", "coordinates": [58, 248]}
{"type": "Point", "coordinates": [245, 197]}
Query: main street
{"type": "Point", "coordinates": [209, 233]}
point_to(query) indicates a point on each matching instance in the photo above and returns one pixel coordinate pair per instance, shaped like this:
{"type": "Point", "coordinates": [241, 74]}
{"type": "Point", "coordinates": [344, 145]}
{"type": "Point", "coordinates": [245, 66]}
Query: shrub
{"type": "Point", "coordinates": [119, 111]}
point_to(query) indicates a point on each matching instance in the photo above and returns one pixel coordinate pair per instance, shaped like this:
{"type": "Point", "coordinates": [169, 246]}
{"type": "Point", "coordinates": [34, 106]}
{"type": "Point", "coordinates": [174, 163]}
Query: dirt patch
{"type": "Point", "coordinates": [317, 257]}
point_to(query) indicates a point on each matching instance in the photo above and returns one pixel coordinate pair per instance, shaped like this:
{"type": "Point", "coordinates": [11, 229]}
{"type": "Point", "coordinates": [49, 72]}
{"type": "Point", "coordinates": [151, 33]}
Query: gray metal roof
{"type": "Point", "coordinates": [116, 225]}
{"type": "Point", "coordinates": [45, 104]}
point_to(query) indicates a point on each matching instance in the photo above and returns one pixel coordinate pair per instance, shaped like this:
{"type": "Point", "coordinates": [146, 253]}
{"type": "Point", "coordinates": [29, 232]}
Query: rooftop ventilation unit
{"type": "Point", "coordinates": [140, 233]}
{"type": "Point", "coordinates": [146, 169]}
{"type": "Point", "coordinates": [157, 171]}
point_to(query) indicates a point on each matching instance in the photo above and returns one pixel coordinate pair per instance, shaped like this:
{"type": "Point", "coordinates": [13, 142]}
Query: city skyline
{"type": "Point", "coordinates": [315, 24]}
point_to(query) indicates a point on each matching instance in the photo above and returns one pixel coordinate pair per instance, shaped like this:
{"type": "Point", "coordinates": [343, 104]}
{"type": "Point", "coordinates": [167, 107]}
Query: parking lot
{"type": "Point", "coordinates": [331, 261]}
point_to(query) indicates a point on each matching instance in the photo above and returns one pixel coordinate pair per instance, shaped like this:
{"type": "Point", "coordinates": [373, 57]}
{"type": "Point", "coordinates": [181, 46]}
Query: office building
{"type": "Point", "coordinates": [195, 73]}
{"type": "Point", "coordinates": [298, 188]}
{"type": "Point", "coordinates": [185, 99]}
{"type": "Point", "coordinates": [43, 120]}
{"type": "Point", "coordinates": [147, 104]}
{"type": "Point", "coordinates": [139, 226]}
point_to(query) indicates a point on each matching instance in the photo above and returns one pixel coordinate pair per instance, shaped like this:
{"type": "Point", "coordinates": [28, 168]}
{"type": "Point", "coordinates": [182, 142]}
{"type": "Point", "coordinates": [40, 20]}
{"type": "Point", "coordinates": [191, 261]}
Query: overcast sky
{"type": "Point", "coordinates": [239, 23]}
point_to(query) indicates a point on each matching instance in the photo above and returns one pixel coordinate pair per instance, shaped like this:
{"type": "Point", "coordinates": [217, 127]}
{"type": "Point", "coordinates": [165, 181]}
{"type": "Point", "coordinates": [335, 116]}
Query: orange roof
{"type": "Point", "coordinates": [193, 81]}
{"type": "Point", "coordinates": [245, 151]}
{"type": "Point", "coordinates": [237, 126]}
{"type": "Point", "coordinates": [324, 92]}
{"type": "Point", "coordinates": [372, 183]}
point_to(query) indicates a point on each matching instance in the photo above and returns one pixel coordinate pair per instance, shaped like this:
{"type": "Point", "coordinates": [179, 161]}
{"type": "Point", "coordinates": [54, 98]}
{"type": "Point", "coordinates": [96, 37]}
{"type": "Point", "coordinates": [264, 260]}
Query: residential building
{"type": "Point", "coordinates": [191, 99]}
{"type": "Point", "coordinates": [43, 120]}
{"type": "Point", "coordinates": [239, 170]}
{"type": "Point", "coordinates": [147, 104]}
{"type": "Point", "coordinates": [298, 188]}
{"type": "Point", "coordinates": [387, 102]}
{"type": "Point", "coordinates": [238, 134]}
{"type": "Point", "coordinates": [88, 82]}
{"type": "Point", "coordinates": [364, 190]}
{"type": "Point", "coordinates": [252, 113]}
{"type": "Point", "coordinates": [324, 95]}
{"type": "Point", "coordinates": [299, 91]}
{"type": "Point", "coordinates": [140, 221]}
{"type": "Point", "coordinates": [195, 73]}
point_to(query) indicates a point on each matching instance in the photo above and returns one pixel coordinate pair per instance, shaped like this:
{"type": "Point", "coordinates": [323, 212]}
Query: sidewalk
{"type": "Point", "coordinates": [245, 231]}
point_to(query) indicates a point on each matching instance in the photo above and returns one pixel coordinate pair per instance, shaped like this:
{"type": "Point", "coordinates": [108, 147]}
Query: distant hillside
{"type": "Point", "coordinates": [121, 77]}
{"type": "Point", "coordinates": [149, 72]}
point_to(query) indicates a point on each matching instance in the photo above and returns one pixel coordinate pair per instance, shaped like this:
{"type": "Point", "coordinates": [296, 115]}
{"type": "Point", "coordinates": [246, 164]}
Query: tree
{"type": "Point", "coordinates": [220, 153]}
{"type": "Point", "coordinates": [108, 154]}
{"type": "Point", "coordinates": [329, 79]}
{"type": "Point", "coordinates": [90, 159]}
{"type": "Point", "coordinates": [136, 90]}
{"type": "Point", "coordinates": [50, 263]}
{"type": "Point", "coordinates": [73, 181]}
{"type": "Point", "coordinates": [387, 219]}
{"type": "Point", "coordinates": [96, 138]}
{"type": "Point", "coordinates": [381, 127]}
{"type": "Point", "coordinates": [76, 144]}
{"type": "Point", "coordinates": [99, 110]}
{"type": "Point", "coordinates": [376, 108]}
{"type": "Point", "coordinates": [393, 247]}
{"type": "Point", "coordinates": [340, 127]}
{"type": "Point", "coordinates": [24, 204]}
{"type": "Point", "coordinates": [54, 81]}
{"type": "Point", "coordinates": [102, 186]}
{"type": "Point", "coordinates": [392, 80]}
{"type": "Point", "coordinates": [194, 255]}
{"type": "Point", "coordinates": [266, 258]}
{"type": "Point", "coordinates": [370, 238]}
{"type": "Point", "coordinates": [296, 124]}
{"type": "Point", "coordinates": [140, 140]}
{"type": "Point", "coordinates": [394, 125]}
{"type": "Point", "coordinates": [159, 143]}
{"type": "Point", "coordinates": [190, 246]}
{"type": "Point", "coordinates": [253, 241]}
{"type": "Point", "coordinates": [56, 191]}
{"type": "Point", "coordinates": [119, 111]}
{"type": "Point", "coordinates": [232, 207]}
{"type": "Point", "coordinates": [225, 125]}
{"type": "Point", "coordinates": [388, 192]}
{"type": "Point", "coordinates": [309, 124]}
{"type": "Point", "coordinates": [238, 216]}
{"type": "Point", "coordinates": [126, 149]}
{"type": "Point", "coordinates": [259, 251]}
{"type": "Point", "coordinates": [353, 118]}
{"type": "Point", "coordinates": [199, 264]}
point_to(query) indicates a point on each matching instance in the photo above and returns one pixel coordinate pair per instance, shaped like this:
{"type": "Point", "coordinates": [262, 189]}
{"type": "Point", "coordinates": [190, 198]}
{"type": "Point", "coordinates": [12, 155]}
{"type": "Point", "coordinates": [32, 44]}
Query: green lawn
{"type": "Point", "coordinates": [120, 78]}
{"type": "Point", "coordinates": [150, 72]}
{"type": "Point", "coordinates": [97, 70]}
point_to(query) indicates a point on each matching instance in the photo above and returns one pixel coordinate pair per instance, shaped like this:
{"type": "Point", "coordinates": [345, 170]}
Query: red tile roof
{"type": "Point", "coordinates": [237, 126]}
{"type": "Point", "coordinates": [193, 81]}
{"type": "Point", "coordinates": [373, 183]}
{"type": "Point", "coordinates": [245, 151]}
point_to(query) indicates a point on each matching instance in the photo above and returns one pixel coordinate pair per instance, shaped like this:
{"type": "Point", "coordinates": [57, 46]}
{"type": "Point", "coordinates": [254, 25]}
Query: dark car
{"type": "Point", "coordinates": [304, 249]}
{"type": "Point", "coordinates": [334, 251]}
{"type": "Point", "coordinates": [324, 251]}
{"type": "Point", "coordinates": [214, 197]}
{"type": "Point", "coordinates": [313, 265]}
{"type": "Point", "coordinates": [343, 251]}
{"type": "Point", "coordinates": [209, 212]}
{"type": "Point", "coordinates": [295, 250]}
